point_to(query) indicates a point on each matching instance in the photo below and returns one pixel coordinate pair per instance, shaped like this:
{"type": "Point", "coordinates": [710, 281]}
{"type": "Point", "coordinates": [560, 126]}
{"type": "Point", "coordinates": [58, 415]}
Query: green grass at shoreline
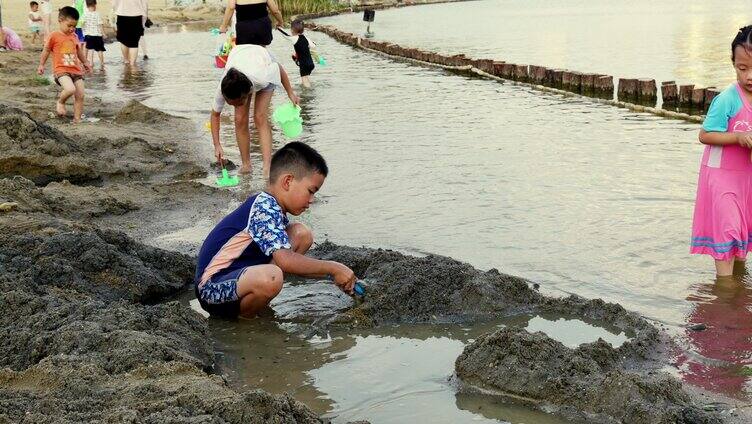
{"type": "Point", "coordinates": [301, 7]}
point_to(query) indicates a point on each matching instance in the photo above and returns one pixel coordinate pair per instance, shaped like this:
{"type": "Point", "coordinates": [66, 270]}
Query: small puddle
{"type": "Point", "coordinates": [574, 332]}
{"type": "Point", "coordinates": [391, 374]}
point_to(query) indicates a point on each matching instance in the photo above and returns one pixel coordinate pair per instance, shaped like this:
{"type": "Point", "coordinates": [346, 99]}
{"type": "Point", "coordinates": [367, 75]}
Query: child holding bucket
{"type": "Point", "coordinates": [722, 225]}
{"type": "Point", "coordinates": [251, 74]}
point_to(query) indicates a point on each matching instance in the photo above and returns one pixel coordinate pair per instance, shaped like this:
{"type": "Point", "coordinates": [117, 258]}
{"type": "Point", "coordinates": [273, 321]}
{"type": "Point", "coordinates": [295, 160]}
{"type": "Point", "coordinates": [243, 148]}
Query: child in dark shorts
{"type": "Point", "coordinates": [66, 54]}
{"type": "Point", "coordinates": [93, 33]}
{"type": "Point", "coordinates": [242, 262]}
{"type": "Point", "coordinates": [303, 57]}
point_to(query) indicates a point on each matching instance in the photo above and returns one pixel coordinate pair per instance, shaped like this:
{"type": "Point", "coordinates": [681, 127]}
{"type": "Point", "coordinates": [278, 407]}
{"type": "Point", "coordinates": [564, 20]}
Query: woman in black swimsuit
{"type": "Point", "coordinates": [253, 26]}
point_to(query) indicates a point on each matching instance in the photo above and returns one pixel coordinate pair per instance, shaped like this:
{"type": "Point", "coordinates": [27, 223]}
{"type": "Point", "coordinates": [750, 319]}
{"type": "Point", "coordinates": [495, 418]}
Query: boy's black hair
{"type": "Point", "coordinates": [90, 3]}
{"type": "Point", "coordinates": [743, 38]}
{"type": "Point", "coordinates": [68, 12]}
{"type": "Point", "coordinates": [235, 85]}
{"type": "Point", "coordinates": [298, 26]}
{"type": "Point", "coordinates": [33, 3]}
{"type": "Point", "coordinates": [298, 159]}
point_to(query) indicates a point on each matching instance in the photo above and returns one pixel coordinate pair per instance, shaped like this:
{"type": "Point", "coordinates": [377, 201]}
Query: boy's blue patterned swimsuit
{"type": "Point", "coordinates": [246, 237]}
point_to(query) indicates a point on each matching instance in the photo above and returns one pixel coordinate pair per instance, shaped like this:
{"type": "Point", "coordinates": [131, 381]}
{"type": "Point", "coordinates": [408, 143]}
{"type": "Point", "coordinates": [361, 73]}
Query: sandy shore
{"type": "Point", "coordinates": [15, 13]}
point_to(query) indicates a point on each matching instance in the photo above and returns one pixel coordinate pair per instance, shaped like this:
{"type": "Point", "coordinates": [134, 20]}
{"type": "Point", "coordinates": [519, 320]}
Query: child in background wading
{"type": "Point", "coordinates": [66, 53]}
{"type": "Point", "coordinates": [303, 56]}
{"type": "Point", "coordinates": [93, 33]}
{"type": "Point", "coordinates": [35, 22]}
{"type": "Point", "coordinates": [45, 10]}
{"type": "Point", "coordinates": [722, 225]}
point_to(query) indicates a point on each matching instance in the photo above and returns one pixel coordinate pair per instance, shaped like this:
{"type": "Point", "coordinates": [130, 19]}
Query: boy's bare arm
{"type": "Point", "coordinates": [82, 57]}
{"type": "Point", "coordinates": [295, 263]}
{"type": "Point", "coordinates": [43, 59]}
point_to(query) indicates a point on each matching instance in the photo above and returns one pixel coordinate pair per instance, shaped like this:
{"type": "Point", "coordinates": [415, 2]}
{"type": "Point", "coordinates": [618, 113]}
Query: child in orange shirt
{"type": "Point", "coordinates": [66, 54]}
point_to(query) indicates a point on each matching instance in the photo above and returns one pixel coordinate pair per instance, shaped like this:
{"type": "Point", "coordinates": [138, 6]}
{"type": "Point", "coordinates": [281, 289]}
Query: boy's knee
{"type": "Point", "coordinates": [272, 282]}
{"type": "Point", "coordinates": [79, 95]}
{"type": "Point", "coordinates": [300, 235]}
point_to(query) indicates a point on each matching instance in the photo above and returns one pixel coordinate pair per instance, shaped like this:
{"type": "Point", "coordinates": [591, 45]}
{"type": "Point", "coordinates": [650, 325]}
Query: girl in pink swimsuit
{"type": "Point", "coordinates": [722, 226]}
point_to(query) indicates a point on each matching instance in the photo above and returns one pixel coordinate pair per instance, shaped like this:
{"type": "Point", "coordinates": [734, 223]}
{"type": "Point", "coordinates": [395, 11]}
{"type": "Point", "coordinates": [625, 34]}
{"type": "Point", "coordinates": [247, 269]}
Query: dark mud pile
{"type": "Point", "coordinates": [595, 382]}
{"type": "Point", "coordinates": [134, 111]}
{"type": "Point", "coordinates": [431, 289]}
{"type": "Point", "coordinates": [43, 154]}
{"type": "Point", "coordinates": [87, 333]}
{"type": "Point", "coordinates": [590, 383]}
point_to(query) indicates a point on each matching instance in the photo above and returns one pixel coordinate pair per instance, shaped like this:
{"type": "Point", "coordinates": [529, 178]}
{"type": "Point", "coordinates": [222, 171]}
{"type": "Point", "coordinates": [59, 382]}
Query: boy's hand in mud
{"type": "Point", "coordinates": [220, 155]}
{"type": "Point", "coordinates": [344, 278]}
{"type": "Point", "coordinates": [222, 29]}
{"type": "Point", "coordinates": [745, 139]}
{"type": "Point", "coordinates": [40, 70]}
{"type": "Point", "coordinates": [87, 67]}
{"type": "Point", "coordinates": [294, 99]}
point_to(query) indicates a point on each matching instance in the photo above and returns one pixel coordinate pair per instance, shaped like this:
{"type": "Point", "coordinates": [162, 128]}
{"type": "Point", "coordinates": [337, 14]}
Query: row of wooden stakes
{"type": "Point", "coordinates": [632, 90]}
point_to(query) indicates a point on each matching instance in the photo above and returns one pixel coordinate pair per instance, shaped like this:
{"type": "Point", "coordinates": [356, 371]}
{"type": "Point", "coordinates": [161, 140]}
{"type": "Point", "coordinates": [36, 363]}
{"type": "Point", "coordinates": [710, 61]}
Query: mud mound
{"type": "Point", "coordinates": [116, 337]}
{"type": "Point", "coordinates": [39, 152]}
{"type": "Point", "coordinates": [104, 263]}
{"type": "Point", "coordinates": [429, 289]}
{"type": "Point", "coordinates": [135, 111]}
{"type": "Point", "coordinates": [586, 383]}
{"type": "Point", "coordinates": [66, 389]}
{"type": "Point", "coordinates": [69, 358]}
{"type": "Point", "coordinates": [76, 349]}
{"type": "Point", "coordinates": [66, 199]}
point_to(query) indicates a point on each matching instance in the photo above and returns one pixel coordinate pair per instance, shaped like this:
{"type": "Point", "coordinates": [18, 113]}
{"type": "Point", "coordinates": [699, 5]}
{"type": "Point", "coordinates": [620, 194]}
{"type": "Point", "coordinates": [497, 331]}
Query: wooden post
{"type": "Point", "coordinates": [648, 92]}
{"type": "Point", "coordinates": [485, 65]}
{"type": "Point", "coordinates": [507, 70]}
{"type": "Point", "coordinates": [685, 95]}
{"type": "Point", "coordinates": [497, 67]}
{"type": "Point", "coordinates": [588, 83]}
{"type": "Point", "coordinates": [576, 82]}
{"type": "Point", "coordinates": [521, 73]}
{"type": "Point", "coordinates": [541, 75]}
{"type": "Point", "coordinates": [627, 90]}
{"type": "Point", "coordinates": [566, 80]}
{"type": "Point", "coordinates": [604, 85]}
{"type": "Point", "coordinates": [557, 78]}
{"type": "Point", "coordinates": [698, 98]}
{"type": "Point", "coordinates": [669, 93]}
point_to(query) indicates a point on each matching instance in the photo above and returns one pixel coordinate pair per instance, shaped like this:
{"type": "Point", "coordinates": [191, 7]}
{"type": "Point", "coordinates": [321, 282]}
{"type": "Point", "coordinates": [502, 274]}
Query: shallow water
{"type": "Point", "coordinates": [390, 375]}
{"type": "Point", "coordinates": [686, 41]}
{"type": "Point", "coordinates": [579, 197]}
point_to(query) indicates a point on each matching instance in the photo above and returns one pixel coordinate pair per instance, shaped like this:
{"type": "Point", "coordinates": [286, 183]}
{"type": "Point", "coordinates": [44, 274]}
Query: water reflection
{"type": "Point", "coordinates": [719, 355]}
{"type": "Point", "coordinates": [686, 41]}
{"type": "Point", "coordinates": [137, 81]}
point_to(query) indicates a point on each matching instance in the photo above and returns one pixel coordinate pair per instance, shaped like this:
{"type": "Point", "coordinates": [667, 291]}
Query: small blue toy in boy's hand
{"type": "Point", "coordinates": [359, 290]}
{"type": "Point", "coordinates": [214, 31]}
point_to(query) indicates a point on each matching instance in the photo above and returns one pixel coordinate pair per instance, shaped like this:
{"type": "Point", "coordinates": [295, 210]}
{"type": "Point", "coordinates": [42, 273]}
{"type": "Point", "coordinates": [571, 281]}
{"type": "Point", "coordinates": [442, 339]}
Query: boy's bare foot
{"type": "Point", "coordinates": [245, 169]}
{"type": "Point", "coordinates": [60, 109]}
